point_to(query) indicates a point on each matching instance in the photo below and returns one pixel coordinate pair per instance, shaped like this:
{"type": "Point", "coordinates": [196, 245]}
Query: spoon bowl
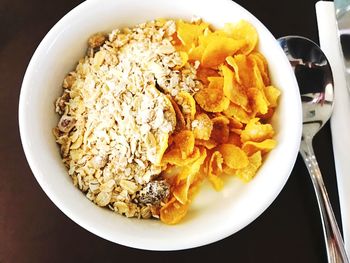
{"type": "Point", "coordinates": [315, 80]}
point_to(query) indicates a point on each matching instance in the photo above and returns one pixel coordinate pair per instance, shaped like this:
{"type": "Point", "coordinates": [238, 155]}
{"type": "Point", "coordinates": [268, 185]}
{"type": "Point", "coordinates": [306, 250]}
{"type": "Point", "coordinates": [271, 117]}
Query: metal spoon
{"type": "Point", "coordinates": [315, 80]}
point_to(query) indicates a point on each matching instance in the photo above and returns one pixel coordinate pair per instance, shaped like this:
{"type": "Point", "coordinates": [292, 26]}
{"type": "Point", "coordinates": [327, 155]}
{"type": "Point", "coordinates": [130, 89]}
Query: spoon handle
{"type": "Point", "coordinates": [334, 242]}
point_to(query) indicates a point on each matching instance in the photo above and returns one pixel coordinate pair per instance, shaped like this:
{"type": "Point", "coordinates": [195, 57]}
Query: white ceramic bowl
{"type": "Point", "coordinates": [213, 215]}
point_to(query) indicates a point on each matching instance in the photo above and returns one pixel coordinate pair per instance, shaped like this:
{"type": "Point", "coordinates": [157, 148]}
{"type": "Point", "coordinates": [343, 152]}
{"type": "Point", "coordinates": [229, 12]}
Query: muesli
{"type": "Point", "coordinates": [153, 110]}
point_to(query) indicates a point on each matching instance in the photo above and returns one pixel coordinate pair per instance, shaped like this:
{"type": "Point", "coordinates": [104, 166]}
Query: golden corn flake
{"type": "Point", "coordinates": [215, 169]}
{"type": "Point", "coordinates": [237, 112]}
{"type": "Point", "coordinates": [234, 123]}
{"type": "Point", "coordinates": [220, 130]}
{"type": "Point", "coordinates": [266, 116]}
{"type": "Point", "coordinates": [184, 141]}
{"type": "Point", "coordinates": [231, 61]}
{"type": "Point", "coordinates": [202, 126]}
{"type": "Point", "coordinates": [180, 119]}
{"type": "Point", "coordinates": [188, 33]}
{"type": "Point", "coordinates": [193, 167]}
{"type": "Point", "coordinates": [236, 131]}
{"type": "Point", "coordinates": [258, 81]}
{"type": "Point", "coordinates": [188, 104]}
{"type": "Point", "coordinates": [245, 70]}
{"type": "Point", "coordinates": [187, 177]}
{"type": "Point", "coordinates": [264, 146]}
{"type": "Point", "coordinates": [180, 191]}
{"type": "Point", "coordinates": [247, 173]}
{"type": "Point", "coordinates": [261, 62]}
{"type": "Point", "coordinates": [228, 171]}
{"type": "Point", "coordinates": [232, 90]}
{"type": "Point", "coordinates": [234, 157]}
{"type": "Point", "coordinates": [243, 31]}
{"type": "Point", "coordinates": [173, 212]}
{"type": "Point", "coordinates": [218, 49]}
{"type": "Point", "coordinates": [257, 132]}
{"type": "Point", "coordinates": [259, 103]}
{"type": "Point", "coordinates": [212, 98]}
{"type": "Point", "coordinates": [173, 156]}
{"type": "Point", "coordinates": [196, 53]}
{"type": "Point", "coordinates": [184, 59]}
{"type": "Point", "coordinates": [208, 144]}
{"type": "Point", "coordinates": [203, 74]}
{"type": "Point", "coordinates": [272, 94]}
{"type": "Point", "coordinates": [234, 139]}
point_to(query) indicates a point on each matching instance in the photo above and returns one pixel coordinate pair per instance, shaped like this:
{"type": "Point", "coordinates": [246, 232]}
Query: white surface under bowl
{"type": "Point", "coordinates": [213, 215]}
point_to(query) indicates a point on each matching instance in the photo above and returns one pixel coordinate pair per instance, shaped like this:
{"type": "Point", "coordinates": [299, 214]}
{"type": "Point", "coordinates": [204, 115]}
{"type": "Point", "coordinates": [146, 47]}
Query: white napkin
{"type": "Point", "coordinates": [340, 121]}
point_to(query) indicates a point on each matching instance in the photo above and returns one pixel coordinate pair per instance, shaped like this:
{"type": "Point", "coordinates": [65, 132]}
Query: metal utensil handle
{"type": "Point", "coordinates": [334, 242]}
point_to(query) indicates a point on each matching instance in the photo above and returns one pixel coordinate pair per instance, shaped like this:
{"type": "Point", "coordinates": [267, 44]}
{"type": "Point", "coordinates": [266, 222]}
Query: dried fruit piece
{"type": "Point", "coordinates": [66, 123]}
{"type": "Point", "coordinates": [154, 192]}
{"type": "Point", "coordinates": [97, 40]}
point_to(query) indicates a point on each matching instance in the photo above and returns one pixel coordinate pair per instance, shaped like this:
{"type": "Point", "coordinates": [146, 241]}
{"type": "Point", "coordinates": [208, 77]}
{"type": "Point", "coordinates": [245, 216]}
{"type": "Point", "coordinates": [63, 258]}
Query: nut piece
{"type": "Point", "coordinates": [96, 40]}
{"type": "Point", "coordinates": [154, 192]}
{"type": "Point", "coordinates": [146, 212]}
{"type": "Point", "coordinates": [61, 102]}
{"type": "Point", "coordinates": [66, 123]}
{"type": "Point", "coordinates": [68, 81]}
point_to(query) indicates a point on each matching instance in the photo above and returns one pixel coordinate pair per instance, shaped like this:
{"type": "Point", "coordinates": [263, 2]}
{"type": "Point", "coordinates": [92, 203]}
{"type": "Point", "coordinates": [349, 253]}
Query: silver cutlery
{"type": "Point", "coordinates": [315, 82]}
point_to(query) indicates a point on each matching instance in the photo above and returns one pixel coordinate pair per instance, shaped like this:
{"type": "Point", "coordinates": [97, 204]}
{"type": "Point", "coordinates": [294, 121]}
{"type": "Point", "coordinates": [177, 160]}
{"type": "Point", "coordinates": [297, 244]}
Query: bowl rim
{"type": "Point", "coordinates": [224, 231]}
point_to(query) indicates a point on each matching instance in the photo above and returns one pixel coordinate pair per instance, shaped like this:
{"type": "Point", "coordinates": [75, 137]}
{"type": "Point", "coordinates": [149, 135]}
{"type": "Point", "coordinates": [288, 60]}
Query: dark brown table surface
{"type": "Point", "coordinates": [33, 229]}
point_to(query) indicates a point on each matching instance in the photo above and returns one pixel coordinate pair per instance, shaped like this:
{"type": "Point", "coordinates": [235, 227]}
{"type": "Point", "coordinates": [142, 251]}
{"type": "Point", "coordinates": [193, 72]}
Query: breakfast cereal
{"type": "Point", "coordinates": [153, 110]}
